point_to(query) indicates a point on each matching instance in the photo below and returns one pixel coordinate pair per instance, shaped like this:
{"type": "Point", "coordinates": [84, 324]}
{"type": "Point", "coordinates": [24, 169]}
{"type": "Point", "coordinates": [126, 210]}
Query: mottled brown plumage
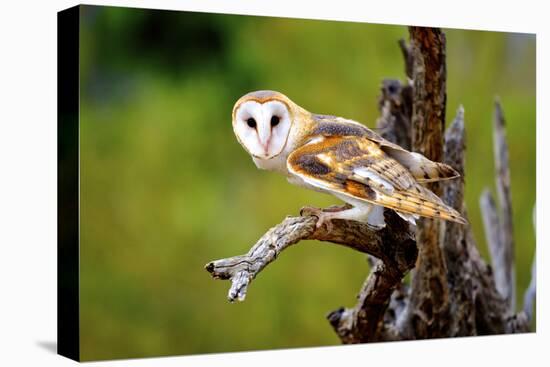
{"type": "Point", "coordinates": [331, 163]}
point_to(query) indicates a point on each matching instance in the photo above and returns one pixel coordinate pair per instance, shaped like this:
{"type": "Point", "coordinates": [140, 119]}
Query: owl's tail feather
{"type": "Point", "coordinates": [424, 205]}
{"type": "Point", "coordinates": [433, 171]}
{"type": "Point", "coordinates": [423, 169]}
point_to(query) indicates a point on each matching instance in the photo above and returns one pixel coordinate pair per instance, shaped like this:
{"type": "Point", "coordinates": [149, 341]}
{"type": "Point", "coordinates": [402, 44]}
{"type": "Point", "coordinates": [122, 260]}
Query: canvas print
{"type": "Point", "coordinates": [235, 183]}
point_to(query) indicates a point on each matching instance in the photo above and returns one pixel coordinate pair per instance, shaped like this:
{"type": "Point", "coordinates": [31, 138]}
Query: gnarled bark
{"type": "Point", "coordinates": [428, 313]}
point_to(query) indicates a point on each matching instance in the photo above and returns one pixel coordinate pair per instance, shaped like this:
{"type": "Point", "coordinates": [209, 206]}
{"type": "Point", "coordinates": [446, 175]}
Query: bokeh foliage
{"type": "Point", "coordinates": [165, 187]}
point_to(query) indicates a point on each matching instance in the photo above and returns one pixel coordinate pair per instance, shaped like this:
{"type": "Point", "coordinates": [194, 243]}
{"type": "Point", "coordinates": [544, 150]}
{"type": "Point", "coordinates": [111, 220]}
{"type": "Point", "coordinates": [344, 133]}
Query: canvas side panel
{"type": "Point", "coordinates": [68, 330]}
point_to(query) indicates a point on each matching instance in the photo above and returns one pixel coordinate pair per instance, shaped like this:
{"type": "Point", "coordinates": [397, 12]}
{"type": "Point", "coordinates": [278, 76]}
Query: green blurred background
{"type": "Point", "coordinates": [165, 187]}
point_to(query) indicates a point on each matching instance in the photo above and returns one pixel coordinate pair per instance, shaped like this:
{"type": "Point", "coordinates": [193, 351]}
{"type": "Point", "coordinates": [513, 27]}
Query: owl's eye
{"type": "Point", "coordinates": [251, 122]}
{"type": "Point", "coordinates": [275, 120]}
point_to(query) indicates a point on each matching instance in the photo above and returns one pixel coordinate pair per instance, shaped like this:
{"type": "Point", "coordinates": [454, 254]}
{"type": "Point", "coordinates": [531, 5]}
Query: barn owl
{"type": "Point", "coordinates": [341, 157]}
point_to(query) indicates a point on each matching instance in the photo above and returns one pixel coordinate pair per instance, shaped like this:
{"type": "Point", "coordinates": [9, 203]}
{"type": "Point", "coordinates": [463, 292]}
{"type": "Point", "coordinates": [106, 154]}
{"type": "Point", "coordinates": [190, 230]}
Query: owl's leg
{"type": "Point", "coordinates": [363, 212]}
{"type": "Point", "coordinates": [376, 217]}
{"type": "Point", "coordinates": [355, 213]}
{"type": "Point", "coordinates": [372, 215]}
{"type": "Point", "coordinates": [324, 214]}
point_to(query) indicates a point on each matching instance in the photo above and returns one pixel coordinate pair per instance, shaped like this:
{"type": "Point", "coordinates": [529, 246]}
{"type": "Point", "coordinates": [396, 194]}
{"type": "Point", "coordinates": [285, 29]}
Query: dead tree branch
{"type": "Point", "coordinates": [499, 295]}
{"type": "Point", "coordinates": [499, 225]}
{"type": "Point", "coordinates": [395, 106]}
{"type": "Point", "coordinates": [491, 223]}
{"type": "Point", "coordinates": [394, 246]}
{"type": "Point", "coordinates": [503, 255]}
{"type": "Point", "coordinates": [476, 307]}
{"type": "Point", "coordinates": [408, 58]}
{"type": "Point", "coordinates": [240, 270]}
{"type": "Point", "coordinates": [531, 292]}
{"type": "Point", "coordinates": [529, 297]}
{"type": "Point", "coordinates": [455, 239]}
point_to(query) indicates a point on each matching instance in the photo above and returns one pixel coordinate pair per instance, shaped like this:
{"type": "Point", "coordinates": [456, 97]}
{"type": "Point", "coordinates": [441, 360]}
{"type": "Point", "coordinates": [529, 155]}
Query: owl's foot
{"type": "Point", "coordinates": [364, 214]}
{"type": "Point", "coordinates": [310, 210]}
{"type": "Point", "coordinates": [324, 216]}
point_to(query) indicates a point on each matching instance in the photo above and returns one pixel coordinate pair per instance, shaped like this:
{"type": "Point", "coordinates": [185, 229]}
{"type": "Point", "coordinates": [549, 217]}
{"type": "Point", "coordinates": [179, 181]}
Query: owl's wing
{"type": "Point", "coordinates": [357, 167]}
{"type": "Point", "coordinates": [422, 169]}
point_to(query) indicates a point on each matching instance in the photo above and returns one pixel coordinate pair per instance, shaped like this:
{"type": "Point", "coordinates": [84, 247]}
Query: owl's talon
{"type": "Point", "coordinates": [337, 208]}
{"type": "Point", "coordinates": [325, 219]}
{"type": "Point", "coordinates": [376, 228]}
{"type": "Point", "coordinates": [310, 211]}
{"type": "Point", "coordinates": [324, 216]}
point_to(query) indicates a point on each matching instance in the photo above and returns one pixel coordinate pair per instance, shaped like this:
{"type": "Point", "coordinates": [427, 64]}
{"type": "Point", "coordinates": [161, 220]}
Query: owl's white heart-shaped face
{"type": "Point", "coordinates": [262, 128]}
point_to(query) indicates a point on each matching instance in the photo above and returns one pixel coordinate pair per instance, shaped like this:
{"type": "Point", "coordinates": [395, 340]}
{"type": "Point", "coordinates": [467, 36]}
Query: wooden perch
{"type": "Point", "coordinates": [242, 269]}
{"type": "Point", "coordinates": [394, 246]}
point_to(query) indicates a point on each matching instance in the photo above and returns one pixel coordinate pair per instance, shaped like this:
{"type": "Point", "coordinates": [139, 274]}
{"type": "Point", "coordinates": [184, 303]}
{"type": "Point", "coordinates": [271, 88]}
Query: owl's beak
{"type": "Point", "coordinates": [266, 147]}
